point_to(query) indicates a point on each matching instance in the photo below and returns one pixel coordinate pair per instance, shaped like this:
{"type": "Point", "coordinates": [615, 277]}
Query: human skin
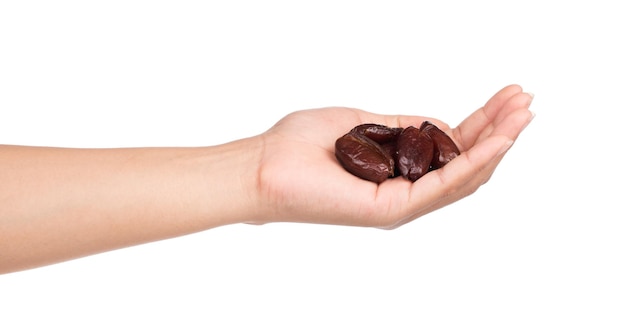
{"type": "Point", "coordinates": [58, 204]}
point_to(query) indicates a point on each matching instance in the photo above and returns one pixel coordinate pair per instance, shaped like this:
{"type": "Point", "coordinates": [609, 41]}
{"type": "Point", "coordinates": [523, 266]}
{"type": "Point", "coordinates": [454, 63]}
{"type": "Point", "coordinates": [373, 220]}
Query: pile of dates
{"type": "Point", "coordinates": [376, 152]}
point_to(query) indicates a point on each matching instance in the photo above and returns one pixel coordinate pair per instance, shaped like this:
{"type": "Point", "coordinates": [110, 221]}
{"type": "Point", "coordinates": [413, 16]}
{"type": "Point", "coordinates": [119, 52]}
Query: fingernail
{"type": "Point", "coordinates": [505, 147]}
{"type": "Point", "coordinates": [532, 116]}
{"type": "Point", "coordinates": [532, 97]}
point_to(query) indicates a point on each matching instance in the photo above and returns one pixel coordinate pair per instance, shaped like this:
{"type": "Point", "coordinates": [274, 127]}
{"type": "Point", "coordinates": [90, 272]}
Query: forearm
{"type": "Point", "coordinates": [57, 204]}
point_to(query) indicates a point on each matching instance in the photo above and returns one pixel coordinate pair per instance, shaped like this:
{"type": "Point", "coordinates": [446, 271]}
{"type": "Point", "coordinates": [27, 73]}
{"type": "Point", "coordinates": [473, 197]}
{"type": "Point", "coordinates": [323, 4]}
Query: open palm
{"type": "Point", "coordinates": [300, 179]}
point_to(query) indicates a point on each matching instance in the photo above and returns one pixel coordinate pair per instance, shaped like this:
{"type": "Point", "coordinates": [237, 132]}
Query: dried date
{"type": "Point", "coordinates": [415, 153]}
{"type": "Point", "coordinates": [364, 157]}
{"type": "Point", "coordinates": [444, 148]}
{"type": "Point", "coordinates": [376, 152]}
{"type": "Point", "coordinates": [379, 133]}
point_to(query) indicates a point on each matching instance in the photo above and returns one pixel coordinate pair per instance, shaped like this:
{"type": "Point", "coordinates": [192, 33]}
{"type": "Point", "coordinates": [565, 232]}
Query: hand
{"type": "Point", "coordinates": [51, 196]}
{"type": "Point", "coordinates": [300, 179]}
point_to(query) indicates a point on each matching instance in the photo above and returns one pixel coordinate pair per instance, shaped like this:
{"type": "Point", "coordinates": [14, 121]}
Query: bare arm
{"type": "Point", "coordinates": [57, 203]}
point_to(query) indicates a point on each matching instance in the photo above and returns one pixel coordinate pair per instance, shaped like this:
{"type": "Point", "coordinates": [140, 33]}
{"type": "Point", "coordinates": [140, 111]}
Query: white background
{"type": "Point", "coordinates": [547, 233]}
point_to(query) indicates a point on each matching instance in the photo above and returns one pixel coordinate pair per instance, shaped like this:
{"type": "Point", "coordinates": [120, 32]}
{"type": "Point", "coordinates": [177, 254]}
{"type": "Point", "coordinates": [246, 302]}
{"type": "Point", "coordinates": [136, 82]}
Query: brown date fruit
{"type": "Point", "coordinates": [414, 153]}
{"type": "Point", "coordinates": [376, 152]}
{"type": "Point", "coordinates": [391, 147]}
{"type": "Point", "coordinates": [379, 133]}
{"type": "Point", "coordinates": [363, 157]}
{"type": "Point", "coordinates": [383, 135]}
{"type": "Point", "coordinates": [444, 147]}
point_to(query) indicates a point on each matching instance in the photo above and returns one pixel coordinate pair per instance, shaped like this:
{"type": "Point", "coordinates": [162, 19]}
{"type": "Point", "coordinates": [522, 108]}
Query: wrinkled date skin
{"type": "Point", "coordinates": [360, 152]}
{"type": "Point", "coordinates": [376, 152]}
{"type": "Point", "coordinates": [444, 148]}
{"type": "Point", "coordinates": [415, 153]}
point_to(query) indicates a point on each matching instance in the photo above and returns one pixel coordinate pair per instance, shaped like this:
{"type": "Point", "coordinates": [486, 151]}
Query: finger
{"type": "Point", "coordinates": [511, 127]}
{"type": "Point", "coordinates": [517, 103]}
{"type": "Point", "coordinates": [471, 186]}
{"type": "Point", "coordinates": [477, 172]}
{"type": "Point", "coordinates": [469, 130]}
{"type": "Point", "coordinates": [512, 124]}
{"type": "Point", "coordinates": [453, 181]}
{"type": "Point", "coordinates": [467, 189]}
{"type": "Point", "coordinates": [497, 101]}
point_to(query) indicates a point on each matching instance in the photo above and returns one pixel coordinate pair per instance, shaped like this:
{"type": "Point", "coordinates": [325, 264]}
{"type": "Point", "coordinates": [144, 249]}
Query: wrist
{"type": "Point", "coordinates": [230, 181]}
